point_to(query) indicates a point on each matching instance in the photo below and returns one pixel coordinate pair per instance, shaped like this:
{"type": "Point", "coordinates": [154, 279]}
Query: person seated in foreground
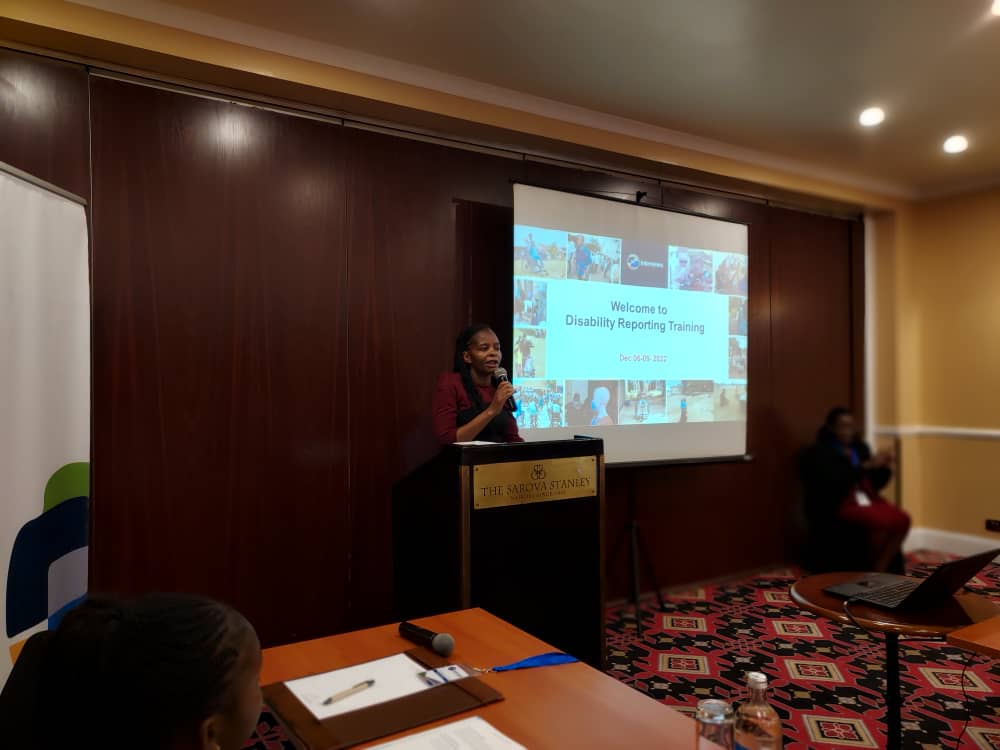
{"type": "Point", "coordinates": [161, 672]}
{"type": "Point", "coordinates": [850, 525]}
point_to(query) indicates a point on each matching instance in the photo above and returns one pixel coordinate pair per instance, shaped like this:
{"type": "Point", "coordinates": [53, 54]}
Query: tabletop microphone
{"type": "Point", "coordinates": [440, 643]}
{"type": "Point", "coordinates": [501, 375]}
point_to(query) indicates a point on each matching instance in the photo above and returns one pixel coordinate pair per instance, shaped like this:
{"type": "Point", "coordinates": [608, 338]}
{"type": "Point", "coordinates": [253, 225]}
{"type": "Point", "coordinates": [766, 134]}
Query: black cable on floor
{"type": "Point", "coordinates": [965, 697]}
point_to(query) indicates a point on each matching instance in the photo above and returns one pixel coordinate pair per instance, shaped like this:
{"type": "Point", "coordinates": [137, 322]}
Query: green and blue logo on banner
{"type": "Point", "coordinates": [47, 574]}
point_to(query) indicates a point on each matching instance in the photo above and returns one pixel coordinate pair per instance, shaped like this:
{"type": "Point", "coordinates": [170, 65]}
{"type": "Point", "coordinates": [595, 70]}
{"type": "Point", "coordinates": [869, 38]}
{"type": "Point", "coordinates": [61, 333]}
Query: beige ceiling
{"type": "Point", "coordinates": [783, 77]}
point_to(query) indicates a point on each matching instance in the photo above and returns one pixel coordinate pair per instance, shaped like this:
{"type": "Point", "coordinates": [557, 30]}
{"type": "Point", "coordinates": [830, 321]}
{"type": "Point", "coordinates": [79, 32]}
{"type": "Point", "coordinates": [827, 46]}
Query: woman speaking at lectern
{"type": "Point", "coordinates": [469, 404]}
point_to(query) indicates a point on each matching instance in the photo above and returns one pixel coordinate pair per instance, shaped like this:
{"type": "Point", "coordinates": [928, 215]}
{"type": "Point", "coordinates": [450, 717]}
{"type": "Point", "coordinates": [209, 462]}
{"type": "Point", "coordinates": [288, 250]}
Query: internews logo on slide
{"type": "Point", "coordinates": [47, 575]}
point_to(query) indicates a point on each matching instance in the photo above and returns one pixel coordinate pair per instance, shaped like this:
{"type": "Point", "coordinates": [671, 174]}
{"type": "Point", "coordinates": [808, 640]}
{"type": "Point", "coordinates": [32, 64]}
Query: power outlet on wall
{"type": "Point", "coordinates": [992, 524]}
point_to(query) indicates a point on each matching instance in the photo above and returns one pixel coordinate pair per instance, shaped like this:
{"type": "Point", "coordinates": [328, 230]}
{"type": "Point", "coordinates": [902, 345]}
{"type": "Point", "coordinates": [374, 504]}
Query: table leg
{"type": "Point", "coordinates": [893, 701]}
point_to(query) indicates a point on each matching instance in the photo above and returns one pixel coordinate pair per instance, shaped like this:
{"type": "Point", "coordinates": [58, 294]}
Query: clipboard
{"type": "Point", "coordinates": [373, 722]}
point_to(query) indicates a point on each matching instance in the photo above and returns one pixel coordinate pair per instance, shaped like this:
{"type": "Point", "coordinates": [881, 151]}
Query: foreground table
{"type": "Point", "coordinates": [567, 706]}
{"type": "Point", "coordinates": [982, 638]}
{"type": "Point", "coordinates": [930, 623]}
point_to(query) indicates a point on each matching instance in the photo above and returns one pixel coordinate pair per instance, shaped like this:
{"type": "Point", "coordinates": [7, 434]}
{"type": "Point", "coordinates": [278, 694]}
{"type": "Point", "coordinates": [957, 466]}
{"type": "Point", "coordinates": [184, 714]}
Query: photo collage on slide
{"type": "Point", "coordinates": [544, 256]}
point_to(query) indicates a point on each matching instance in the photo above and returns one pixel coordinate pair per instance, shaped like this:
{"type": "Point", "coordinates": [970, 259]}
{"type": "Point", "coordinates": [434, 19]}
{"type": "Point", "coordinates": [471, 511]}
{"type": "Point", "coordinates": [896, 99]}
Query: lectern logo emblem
{"type": "Point", "coordinates": [537, 472]}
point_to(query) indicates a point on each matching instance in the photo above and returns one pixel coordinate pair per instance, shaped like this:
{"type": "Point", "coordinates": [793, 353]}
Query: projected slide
{"type": "Point", "coordinates": [630, 323]}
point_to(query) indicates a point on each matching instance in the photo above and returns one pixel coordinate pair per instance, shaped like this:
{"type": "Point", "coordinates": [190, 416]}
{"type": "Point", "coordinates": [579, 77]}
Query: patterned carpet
{"type": "Point", "coordinates": [827, 679]}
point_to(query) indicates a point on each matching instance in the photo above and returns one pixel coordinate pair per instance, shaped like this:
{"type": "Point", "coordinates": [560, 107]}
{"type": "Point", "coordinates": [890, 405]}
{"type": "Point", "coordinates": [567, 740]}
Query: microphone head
{"type": "Point", "coordinates": [501, 374]}
{"type": "Point", "coordinates": [443, 644]}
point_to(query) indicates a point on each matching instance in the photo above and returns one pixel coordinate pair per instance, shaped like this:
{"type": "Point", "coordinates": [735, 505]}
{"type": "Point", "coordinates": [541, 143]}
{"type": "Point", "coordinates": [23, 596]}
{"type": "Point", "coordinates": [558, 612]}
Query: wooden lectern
{"type": "Point", "coordinates": [517, 529]}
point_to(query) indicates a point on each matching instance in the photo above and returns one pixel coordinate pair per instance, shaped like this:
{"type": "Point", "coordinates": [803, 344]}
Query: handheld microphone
{"type": "Point", "coordinates": [501, 375]}
{"type": "Point", "coordinates": [440, 643]}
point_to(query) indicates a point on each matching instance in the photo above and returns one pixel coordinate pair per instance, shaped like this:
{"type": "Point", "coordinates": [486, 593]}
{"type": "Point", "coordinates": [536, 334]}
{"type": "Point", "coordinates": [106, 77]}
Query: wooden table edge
{"type": "Point", "coordinates": [963, 638]}
{"type": "Point", "coordinates": [671, 727]}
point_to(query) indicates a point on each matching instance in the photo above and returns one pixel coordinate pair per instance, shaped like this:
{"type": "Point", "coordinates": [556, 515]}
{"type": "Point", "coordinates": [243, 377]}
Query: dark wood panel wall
{"type": "Point", "coordinates": [273, 299]}
{"type": "Point", "coordinates": [43, 119]}
{"type": "Point", "coordinates": [221, 399]}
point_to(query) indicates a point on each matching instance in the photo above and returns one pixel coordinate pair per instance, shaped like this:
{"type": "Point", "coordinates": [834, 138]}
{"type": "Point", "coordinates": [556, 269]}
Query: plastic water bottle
{"type": "Point", "coordinates": [757, 725]}
{"type": "Point", "coordinates": [714, 720]}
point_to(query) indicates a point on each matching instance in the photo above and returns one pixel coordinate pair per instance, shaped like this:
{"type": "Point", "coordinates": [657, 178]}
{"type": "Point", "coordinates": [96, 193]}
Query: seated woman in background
{"type": "Point", "coordinates": [162, 672]}
{"type": "Point", "coordinates": [842, 480]}
{"type": "Point", "coordinates": [469, 403]}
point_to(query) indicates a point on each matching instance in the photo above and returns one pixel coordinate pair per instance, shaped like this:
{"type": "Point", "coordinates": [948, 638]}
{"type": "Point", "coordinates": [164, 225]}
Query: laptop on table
{"type": "Point", "coordinates": [906, 592]}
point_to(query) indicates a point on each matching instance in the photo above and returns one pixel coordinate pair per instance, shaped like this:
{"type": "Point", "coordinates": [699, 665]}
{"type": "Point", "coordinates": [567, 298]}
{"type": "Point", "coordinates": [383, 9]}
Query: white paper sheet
{"type": "Point", "coordinates": [394, 676]}
{"type": "Point", "coordinates": [467, 734]}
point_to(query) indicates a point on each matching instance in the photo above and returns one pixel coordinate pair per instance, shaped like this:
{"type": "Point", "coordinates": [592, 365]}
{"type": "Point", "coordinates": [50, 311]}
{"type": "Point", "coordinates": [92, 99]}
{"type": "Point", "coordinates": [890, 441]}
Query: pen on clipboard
{"type": "Point", "coordinates": [350, 691]}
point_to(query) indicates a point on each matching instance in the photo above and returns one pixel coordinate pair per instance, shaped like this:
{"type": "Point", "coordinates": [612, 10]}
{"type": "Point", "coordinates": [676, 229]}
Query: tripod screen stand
{"type": "Point", "coordinates": [638, 553]}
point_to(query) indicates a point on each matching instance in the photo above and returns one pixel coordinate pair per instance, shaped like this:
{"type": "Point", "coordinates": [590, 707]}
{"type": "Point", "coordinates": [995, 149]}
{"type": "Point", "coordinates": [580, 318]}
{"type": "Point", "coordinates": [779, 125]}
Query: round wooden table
{"type": "Point", "coordinates": [926, 623]}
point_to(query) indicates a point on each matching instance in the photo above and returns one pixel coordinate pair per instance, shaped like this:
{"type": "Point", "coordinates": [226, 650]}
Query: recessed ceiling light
{"type": "Point", "coordinates": [996, 7]}
{"type": "Point", "coordinates": [873, 115]}
{"type": "Point", "coordinates": [956, 144]}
